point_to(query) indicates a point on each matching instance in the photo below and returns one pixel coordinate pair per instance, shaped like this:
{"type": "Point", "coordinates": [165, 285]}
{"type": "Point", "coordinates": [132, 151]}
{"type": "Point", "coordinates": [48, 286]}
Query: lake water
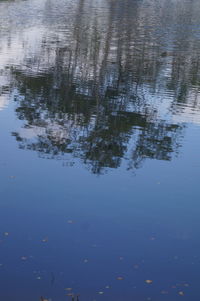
{"type": "Point", "coordinates": [100, 150]}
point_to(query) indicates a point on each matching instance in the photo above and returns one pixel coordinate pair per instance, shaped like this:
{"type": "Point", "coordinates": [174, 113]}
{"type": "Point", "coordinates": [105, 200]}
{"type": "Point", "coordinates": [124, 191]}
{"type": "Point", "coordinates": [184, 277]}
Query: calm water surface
{"type": "Point", "coordinates": [100, 150]}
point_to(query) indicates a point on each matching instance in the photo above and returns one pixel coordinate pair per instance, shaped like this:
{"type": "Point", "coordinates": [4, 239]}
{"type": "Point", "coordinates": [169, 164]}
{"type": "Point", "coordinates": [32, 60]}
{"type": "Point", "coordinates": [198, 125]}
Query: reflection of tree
{"type": "Point", "coordinates": [156, 142]}
{"type": "Point", "coordinates": [99, 132]}
{"type": "Point", "coordinates": [92, 94]}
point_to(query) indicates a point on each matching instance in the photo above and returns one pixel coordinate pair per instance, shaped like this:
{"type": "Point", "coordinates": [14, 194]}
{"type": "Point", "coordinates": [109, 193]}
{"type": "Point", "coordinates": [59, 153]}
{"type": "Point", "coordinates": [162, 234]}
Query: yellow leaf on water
{"type": "Point", "coordinates": [148, 281]}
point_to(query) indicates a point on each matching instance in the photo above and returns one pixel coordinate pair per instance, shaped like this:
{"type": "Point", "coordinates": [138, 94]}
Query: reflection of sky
{"type": "Point", "coordinates": [188, 113]}
{"type": "Point", "coordinates": [21, 46]}
{"type": "Point", "coordinates": [3, 101]}
{"type": "Point", "coordinates": [150, 220]}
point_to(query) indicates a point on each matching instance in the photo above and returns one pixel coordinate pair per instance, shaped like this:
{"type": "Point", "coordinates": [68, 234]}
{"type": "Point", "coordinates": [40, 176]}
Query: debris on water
{"type": "Point", "coordinates": [181, 293]}
{"type": "Point", "coordinates": [43, 299]}
{"type": "Point", "coordinates": [70, 221]}
{"type": "Point", "coordinates": [101, 293]}
{"type": "Point", "coordinates": [148, 281]}
{"type": "Point", "coordinates": [120, 278]}
{"type": "Point", "coordinates": [45, 239]}
{"type": "Point", "coordinates": [70, 294]}
{"type": "Point", "coordinates": [136, 266]}
{"type": "Point", "coordinates": [164, 292]}
{"type": "Point", "coordinates": [121, 258]}
{"type": "Point", "coordinates": [74, 297]}
{"type": "Point", "coordinates": [68, 289]}
{"type": "Point", "coordinates": [85, 260]}
{"type": "Point", "coordinates": [107, 286]}
{"type": "Point", "coordinates": [24, 258]}
{"type": "Point", "coordinates": [152, 238]}
{"type": "Point", "coordinates": [6, 233]}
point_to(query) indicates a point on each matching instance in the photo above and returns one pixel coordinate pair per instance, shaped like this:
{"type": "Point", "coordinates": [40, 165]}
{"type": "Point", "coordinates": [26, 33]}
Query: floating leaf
{"type": "Point", "coordinates": [70, 294]}
{"type": "Point", "coordinates": [148, 281]}
{"type": "Point", "coordinates": [120, 278]}
{"type": "Point", "coordinates": [70, 221]}
{"type": "Point", "coordinates": [152, 238]}
{"type": "Point", "coordinates": [181, 293]}
{"type": "Point", "coordinates": [23, 258]}
{"type": "Point", "coordinates": [164, 292]}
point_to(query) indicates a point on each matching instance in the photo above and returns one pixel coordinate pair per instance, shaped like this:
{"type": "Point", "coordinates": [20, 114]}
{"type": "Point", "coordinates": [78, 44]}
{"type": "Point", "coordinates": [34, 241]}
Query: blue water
{"type": "Point", "coordinates": [99, 168]}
